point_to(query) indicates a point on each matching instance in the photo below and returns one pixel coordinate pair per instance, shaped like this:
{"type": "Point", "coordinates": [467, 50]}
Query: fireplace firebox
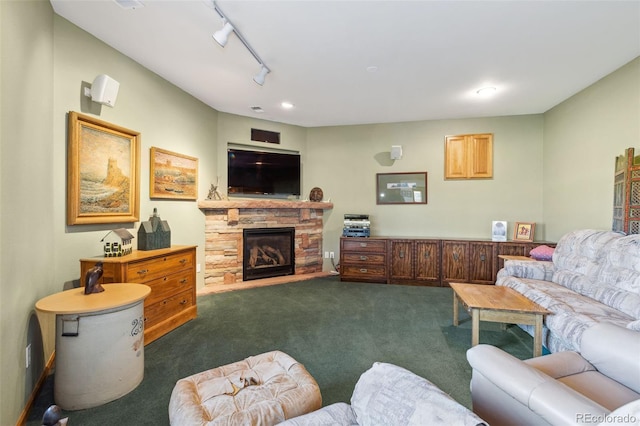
{"type": "Point", "coordinates": [268, 252]}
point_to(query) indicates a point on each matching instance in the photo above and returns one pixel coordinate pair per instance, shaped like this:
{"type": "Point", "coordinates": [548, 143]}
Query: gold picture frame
{"type": "Point", "coordinates": [172, 175]}
{"type": "Point", "coordinates": [524, 231]}
{"type": "Point", "coordinates": [103, 168]}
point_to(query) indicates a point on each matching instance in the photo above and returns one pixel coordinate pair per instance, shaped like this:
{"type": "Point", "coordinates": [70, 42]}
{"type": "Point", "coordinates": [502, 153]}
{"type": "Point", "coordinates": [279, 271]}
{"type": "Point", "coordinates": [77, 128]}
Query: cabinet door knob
{"type": "Point", "coordinates": [483, 257]}
{"type": "Point", "coordinates": [455, 256]}
{"type": "Point", "coordinates": [142, 271]}
{"type": "Point", "coordinates": [363, 270]}
{"type": "Point", "coordinates": [427, 254]}
{"type": "Point", "coordinates": [184, 302]}
{"type": "Point", "coordinates": [184, 281]}
{"type": "Point", "coordinates": [401, 254]}
{"type": "Point", "coordinates": [363, 244]}
{"type": "Point", "coordinates": [183, 261]}
{"type": "Point", "coordinates": [363, 258]}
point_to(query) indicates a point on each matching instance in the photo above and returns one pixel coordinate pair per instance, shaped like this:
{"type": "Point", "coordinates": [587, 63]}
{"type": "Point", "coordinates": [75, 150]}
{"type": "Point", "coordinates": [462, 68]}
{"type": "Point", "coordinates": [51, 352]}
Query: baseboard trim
{"type": "Point", "coordinates": [264, 282]}
{"type": "Point", "coordinates": [22, 420]}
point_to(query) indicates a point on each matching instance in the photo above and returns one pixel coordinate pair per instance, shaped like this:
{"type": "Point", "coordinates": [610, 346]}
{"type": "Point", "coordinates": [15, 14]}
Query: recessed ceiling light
{"type": "Point", "coordinates": [486, 91]}
{"type": "Point", "coordinates": [256, 109]}
{"type": "Point", "coordinates": [286, 105]}
{"type": "Point", "coordinates": [372, 68]}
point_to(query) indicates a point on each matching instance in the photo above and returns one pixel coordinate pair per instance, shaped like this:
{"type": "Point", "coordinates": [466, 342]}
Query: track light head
{"type": "Point", "coordinates": [259, 78]}
{"type": "Point", "coordinates": [222, 36]}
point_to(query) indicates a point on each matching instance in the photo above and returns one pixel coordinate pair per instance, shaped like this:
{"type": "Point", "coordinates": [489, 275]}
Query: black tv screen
{"type": "Point", "coordinates": [257, 173]}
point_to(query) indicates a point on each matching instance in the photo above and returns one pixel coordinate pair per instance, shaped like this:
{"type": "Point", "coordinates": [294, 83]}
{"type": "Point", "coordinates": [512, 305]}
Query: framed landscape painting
{"type": "Point", "coordinates": [173, 175]}
{"type": "Point", "coordinates": [103, 168]}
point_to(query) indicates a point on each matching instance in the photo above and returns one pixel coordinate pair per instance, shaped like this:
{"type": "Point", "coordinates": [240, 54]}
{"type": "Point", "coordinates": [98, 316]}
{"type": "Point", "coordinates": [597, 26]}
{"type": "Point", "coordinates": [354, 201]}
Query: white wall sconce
{"type": "Point", "coordinates": [103, 90]}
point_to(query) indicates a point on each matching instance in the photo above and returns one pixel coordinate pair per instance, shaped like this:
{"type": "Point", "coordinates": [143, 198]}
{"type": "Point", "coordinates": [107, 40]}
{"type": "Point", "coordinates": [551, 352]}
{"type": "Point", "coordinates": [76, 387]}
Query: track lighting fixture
{"type": "Point", "coordinates": [259, 78]}
{"type": "Point", "coordinates": [222, 36]}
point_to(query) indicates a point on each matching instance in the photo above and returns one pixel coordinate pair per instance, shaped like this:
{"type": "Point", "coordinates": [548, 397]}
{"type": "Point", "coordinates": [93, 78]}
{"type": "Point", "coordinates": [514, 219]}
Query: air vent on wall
{"type": "Point", "coordinates": [265, 136]}
{"type": "Point", "coordinates": [129, 4]}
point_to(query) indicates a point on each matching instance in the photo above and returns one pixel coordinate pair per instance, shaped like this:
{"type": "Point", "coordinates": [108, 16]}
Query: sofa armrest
{"type": "Point", "coordinates": [537, 270]}
{"type": "Point", "coordinates": [545, 396]}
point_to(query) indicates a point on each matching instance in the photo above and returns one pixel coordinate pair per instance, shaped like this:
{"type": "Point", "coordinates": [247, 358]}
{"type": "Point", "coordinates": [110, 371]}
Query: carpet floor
{"type": "Point", "coordinates": [336, 329]}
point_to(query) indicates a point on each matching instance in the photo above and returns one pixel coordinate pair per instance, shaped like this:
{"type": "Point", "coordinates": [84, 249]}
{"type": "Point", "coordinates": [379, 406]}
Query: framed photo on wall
{"type": "Point", "coordinates": [401, 188]}
{"type": "Point", "coordinates": [173, 175]}
{"type": "Point", "coordinates": [524, 231]}
{"type": "Point", "coordinates": [103, 184]}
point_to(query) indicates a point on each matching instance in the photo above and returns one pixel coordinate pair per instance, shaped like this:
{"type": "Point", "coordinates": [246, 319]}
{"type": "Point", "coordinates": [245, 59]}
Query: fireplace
{"type": "Point", "coordinates": [268, 252]}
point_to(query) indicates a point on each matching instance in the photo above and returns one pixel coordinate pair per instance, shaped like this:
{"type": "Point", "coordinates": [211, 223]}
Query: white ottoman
{"type": "Point", "coordinates": [265, 389]}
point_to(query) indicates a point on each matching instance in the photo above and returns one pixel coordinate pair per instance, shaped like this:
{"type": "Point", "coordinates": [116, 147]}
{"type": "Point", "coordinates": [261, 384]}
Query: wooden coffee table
{"type": "Point", "coordinates": [498, 304]}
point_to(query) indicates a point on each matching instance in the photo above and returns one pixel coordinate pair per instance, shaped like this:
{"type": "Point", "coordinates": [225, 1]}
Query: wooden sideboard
{"type": "Point", "coordinates": [426, 261]}
{"type": "Point", "coordinates": [171, 274]}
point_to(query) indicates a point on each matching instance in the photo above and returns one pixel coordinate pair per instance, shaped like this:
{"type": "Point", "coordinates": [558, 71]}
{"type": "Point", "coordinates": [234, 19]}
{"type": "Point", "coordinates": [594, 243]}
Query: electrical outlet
{"type": "Point", "coordinates": [332, 255]}
{"type": "Point", "coordinates": [198, 268]}
{"type": "Point", "coordinates": [326, 254]}
{"type": "Point", "coordinates": [28, 356]}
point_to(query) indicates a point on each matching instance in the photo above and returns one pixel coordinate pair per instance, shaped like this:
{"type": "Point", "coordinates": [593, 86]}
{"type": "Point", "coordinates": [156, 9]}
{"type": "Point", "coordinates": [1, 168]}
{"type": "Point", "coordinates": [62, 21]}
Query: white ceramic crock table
{"type": "Point", "coordinates": [99, 343]}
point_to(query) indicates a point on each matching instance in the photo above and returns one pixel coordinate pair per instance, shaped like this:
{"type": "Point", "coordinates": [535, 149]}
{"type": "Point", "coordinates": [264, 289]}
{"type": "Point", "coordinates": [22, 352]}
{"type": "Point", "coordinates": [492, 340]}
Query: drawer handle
{"type": "Point", "coordinates": [184, 302]}
{"type": "Point", "coordinates": [363, 270]}
{"type": "Point", "coordinates": [184, 281]}
{"type": "Point", "coordinates": [164, 302]}
{"type": "Point", "coordinates": [142, 271]}
{"type": "Point", "coordinates": [363, 244]}
{"type": "Point", "coordinates": [363, 258]}
{"type": "Point", "coordinates": [183, 261]}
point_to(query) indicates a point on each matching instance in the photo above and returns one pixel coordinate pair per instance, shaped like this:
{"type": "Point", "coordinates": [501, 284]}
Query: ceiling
{"type": "Point", "coordinates": [428, 57]}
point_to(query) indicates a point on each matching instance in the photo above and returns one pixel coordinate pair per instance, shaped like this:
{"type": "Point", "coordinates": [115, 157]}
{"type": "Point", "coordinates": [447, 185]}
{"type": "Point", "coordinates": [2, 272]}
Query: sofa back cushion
{"type": "Point", "coordinates": [602, 265]}
{"type": "Point", "coordinates": [615, 352]}
{"type": "Point", "coordinates": [390, 395]}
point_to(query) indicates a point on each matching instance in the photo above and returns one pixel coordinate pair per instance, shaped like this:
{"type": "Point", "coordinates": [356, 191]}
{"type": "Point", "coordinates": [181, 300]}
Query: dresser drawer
{"type": "Point", "coordinates": [161, 288]}
{"type": "Point", "coordinates": [167, 308]}
{"type": "Point", "coordinates": [369, 258]}
{"type": "Point", "coordinates": [147, 270]}
{"type": "Point", "coordinates": [364, 246]}
{"type": "Point", "coordinates": [364, 271]}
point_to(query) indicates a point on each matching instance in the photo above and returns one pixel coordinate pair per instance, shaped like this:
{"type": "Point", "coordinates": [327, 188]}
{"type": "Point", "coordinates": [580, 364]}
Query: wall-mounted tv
{"type": "Point", "coordinates": [263, 174]}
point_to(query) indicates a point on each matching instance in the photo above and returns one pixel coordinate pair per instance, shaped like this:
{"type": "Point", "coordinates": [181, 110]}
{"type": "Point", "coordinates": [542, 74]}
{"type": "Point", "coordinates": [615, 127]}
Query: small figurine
{"type": "Point", "coordinates": [53, 417]}
{"type": "Point", "coordinates": [213, 191]}
{"type": "Point", "coordinates": [91, 284]}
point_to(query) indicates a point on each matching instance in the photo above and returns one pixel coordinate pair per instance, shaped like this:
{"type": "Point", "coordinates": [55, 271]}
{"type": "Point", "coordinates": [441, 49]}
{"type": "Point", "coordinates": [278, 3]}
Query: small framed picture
{"type": "Point", "coordinates": [499, 230]}
{"type": "Point", "coordinates": [524, 231]}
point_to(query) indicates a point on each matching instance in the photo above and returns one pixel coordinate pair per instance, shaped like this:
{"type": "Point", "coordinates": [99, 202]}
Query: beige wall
{"type": "Point", "coordinates": [344, 160]}
{"type": "Point", "coordinates": [582, 137]}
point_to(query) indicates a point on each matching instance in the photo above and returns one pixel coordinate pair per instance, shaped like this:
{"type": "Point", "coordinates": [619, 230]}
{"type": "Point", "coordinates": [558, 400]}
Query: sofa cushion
{"type": "Point", "coordinates": [390, 395]}
{"type": "Point", "coordinates": [336, 414]}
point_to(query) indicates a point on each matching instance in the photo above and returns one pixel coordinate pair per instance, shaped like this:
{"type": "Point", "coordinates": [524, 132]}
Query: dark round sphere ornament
{"type": "Point", "coordinates": [316, 194]}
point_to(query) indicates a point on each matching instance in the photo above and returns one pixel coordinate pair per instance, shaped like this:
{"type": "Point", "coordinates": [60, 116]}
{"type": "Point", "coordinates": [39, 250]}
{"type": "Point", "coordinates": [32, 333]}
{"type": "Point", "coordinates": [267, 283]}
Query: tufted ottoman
{"type": "Point", "coordinates": [265, 389]}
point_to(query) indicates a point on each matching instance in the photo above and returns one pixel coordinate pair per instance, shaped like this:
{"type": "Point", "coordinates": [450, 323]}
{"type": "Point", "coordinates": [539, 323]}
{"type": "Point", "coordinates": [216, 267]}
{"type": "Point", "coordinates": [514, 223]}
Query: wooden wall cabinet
{"type": "Point", "coordinates": [428, 261]}
{"type": "Point", "coordinates": [171, 274]}
{"type": "Point", "coordinates": [468, 156]}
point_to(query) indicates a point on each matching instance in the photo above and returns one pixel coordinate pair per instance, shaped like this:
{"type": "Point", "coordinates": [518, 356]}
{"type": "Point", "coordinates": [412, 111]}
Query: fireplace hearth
{"type": "Point", "coordinates": [268, 252]}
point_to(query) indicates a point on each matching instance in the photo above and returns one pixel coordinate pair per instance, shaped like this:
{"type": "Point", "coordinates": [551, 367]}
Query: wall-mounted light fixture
{"type": "Point", "coordinates": [103, 90]}
{"type": "Point", "coordinates": [221, 36]}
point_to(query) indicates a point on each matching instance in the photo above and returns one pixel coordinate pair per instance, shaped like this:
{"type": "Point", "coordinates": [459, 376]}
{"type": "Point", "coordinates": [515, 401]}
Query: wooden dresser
{"type": "Point", "coordinates": [171, 274]}
{"type": "Point", "coordinates": [363, 259]}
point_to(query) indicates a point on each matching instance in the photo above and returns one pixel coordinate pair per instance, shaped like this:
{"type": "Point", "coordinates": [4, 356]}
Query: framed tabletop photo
{"type": "Point", "coordinates": [524, 231]}
{"type": "Point", "coordinates": [401, 188]}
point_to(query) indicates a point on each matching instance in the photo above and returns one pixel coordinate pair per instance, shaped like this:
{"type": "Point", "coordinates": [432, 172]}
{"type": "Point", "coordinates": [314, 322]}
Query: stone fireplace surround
{"type": "Point", "coordinates": [225, 221]}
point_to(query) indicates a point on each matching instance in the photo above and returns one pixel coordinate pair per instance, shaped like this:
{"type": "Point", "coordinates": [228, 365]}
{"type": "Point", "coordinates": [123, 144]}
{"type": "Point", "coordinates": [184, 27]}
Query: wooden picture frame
{"type": "Point", "coordinates": [401, 188]}
{"type": "Point", "coordinates": [172, 175]}
{"type": "Point", "coordinates": [103, 167]}
{"type": "Point", "coordinates": [524, 231]}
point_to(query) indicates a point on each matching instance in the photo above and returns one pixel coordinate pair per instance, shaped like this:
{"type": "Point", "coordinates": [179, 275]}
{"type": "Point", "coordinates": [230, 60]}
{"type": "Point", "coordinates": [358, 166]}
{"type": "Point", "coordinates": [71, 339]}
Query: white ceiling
{"type": "Point", "coordinates": [431, 56]}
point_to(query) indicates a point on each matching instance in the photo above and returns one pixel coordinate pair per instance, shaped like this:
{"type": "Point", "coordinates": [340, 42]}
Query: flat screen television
{"type": "Point", "coordinates": [262, 174]}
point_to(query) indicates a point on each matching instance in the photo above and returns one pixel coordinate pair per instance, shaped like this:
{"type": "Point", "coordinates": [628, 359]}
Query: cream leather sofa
{"type": "Point", "coordinates": [599, 386]}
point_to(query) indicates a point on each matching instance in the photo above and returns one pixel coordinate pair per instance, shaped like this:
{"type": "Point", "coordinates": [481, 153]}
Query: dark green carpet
{"type": "Point", "coordinates": [336, 329]}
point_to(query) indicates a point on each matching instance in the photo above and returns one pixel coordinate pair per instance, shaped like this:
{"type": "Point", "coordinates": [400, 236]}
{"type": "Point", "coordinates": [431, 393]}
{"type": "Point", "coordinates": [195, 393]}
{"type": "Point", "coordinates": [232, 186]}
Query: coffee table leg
{"type": "Point", "coordinates": [537, 337]}
{"type": "Point", "coordinates": [475, 326]}
{"type": "Point", "coordinates": [455, 309]}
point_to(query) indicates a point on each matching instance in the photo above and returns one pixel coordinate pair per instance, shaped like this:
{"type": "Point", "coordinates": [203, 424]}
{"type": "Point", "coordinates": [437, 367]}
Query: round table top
{"type": "Point", "coordinates": [74, 301]}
